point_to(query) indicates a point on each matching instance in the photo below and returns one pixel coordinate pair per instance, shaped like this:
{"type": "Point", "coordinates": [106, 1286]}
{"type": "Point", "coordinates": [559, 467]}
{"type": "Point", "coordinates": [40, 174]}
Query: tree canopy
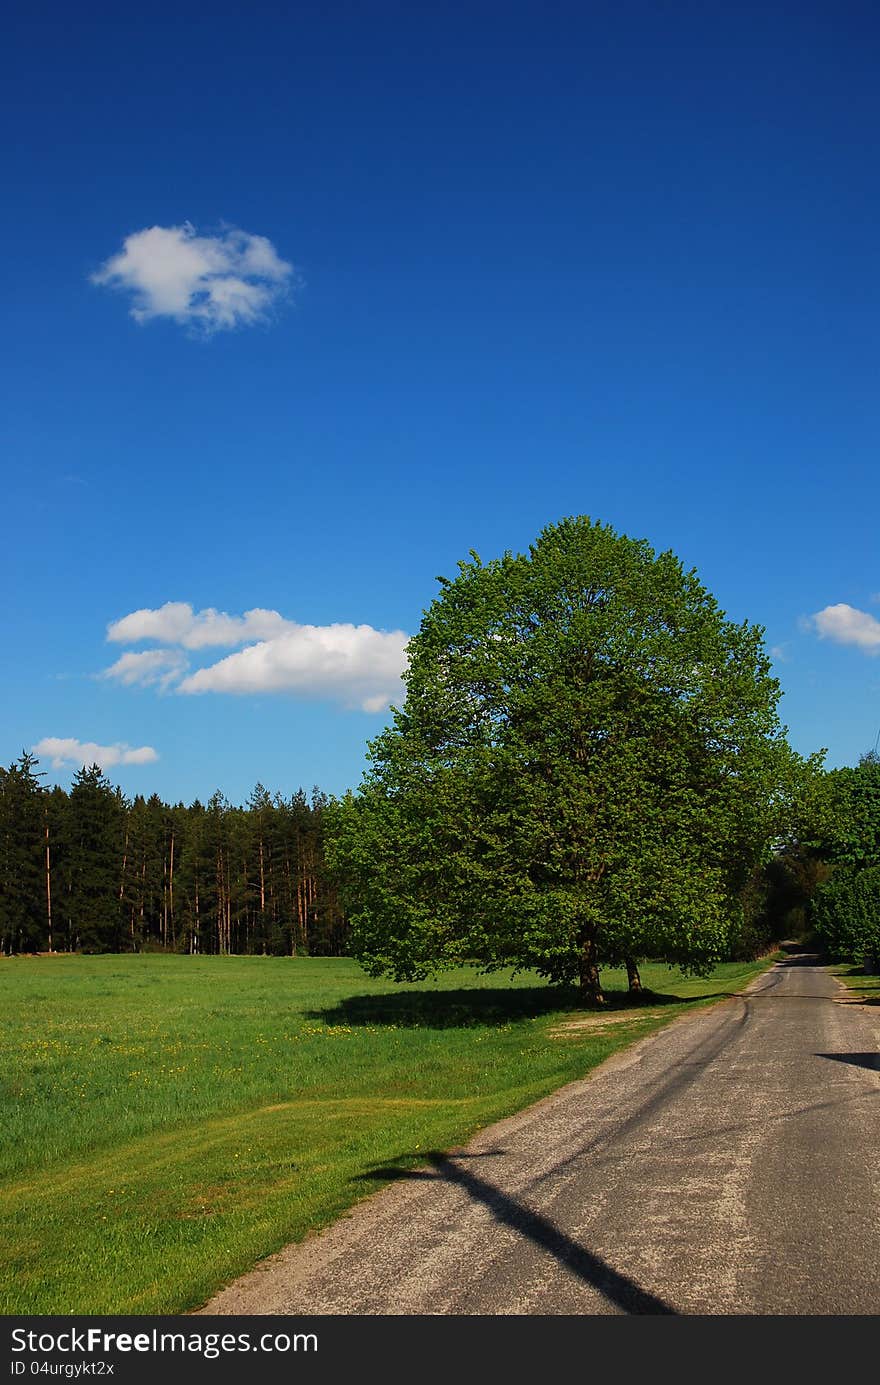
{"type": "Point", "coordinates": [587, 768]}
{"type": "Point", "coordinates": [845, 908]}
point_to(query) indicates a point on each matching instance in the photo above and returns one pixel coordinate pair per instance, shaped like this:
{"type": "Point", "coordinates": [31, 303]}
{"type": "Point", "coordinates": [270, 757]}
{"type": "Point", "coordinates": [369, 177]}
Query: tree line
{"type": "Point", "coordinates": [94, 871]}
{"type": "Point", "coordinates": [588, 770]}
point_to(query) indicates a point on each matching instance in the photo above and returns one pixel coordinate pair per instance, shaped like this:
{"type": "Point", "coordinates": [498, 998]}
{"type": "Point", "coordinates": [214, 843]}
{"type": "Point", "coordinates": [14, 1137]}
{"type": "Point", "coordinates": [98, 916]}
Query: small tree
{"type": "Point", "coordinates": [587, 767]}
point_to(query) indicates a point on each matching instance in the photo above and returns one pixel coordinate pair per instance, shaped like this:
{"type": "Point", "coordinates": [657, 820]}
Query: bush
{"type": "Point", "coordinates": [846, 914]}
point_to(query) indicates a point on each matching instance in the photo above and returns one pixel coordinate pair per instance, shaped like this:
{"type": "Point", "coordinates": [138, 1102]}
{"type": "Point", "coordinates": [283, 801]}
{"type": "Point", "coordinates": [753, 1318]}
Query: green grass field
{"type": "Point", "coordinates": [167, 1121]}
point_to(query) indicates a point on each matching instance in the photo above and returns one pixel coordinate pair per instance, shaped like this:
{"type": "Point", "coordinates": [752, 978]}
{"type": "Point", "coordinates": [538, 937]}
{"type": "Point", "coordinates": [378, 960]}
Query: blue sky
{"type": "Point", "coordinates": [607, 259]}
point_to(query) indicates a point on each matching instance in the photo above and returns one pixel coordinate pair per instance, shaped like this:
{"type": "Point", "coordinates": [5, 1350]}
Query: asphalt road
{"type": "Point", "coordinates": [728, 1165]}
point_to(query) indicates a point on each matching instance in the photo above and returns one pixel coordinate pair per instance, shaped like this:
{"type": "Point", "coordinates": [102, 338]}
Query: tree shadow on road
{"type": "Point", "coordinates": [617, 1288]}
{"type": "Point", "coordinates": [858, 1060]}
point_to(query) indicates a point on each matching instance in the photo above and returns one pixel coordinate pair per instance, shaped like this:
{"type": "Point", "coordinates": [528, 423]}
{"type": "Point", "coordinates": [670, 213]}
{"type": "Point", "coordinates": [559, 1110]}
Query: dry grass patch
{"type": "Point", "coordinates": [598, 1021]}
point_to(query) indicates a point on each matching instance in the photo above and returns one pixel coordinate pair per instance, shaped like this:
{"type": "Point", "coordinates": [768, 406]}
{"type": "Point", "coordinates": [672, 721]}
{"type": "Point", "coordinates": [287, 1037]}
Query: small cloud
{"type": "Point", "coordinates": [177, 623]}
{"type": "Point", "coordinates": [213, 283]}
{"type": "Point", "coordinates": [779, 652]}
{"type": "Point", "coordinates": [69, 751]}
{"type": "Point", "coordinates": [151, 667]}
{"type": "Point", "coordinates": [354, 664]}
{"type": "Point", "coordinates": [847, 625]}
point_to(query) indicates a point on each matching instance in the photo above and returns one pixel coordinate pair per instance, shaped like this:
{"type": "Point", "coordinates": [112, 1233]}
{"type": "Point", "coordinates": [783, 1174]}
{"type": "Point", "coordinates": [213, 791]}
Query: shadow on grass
{"type": "Point", "coordinates": [469, 1008]}
{"type": "Point", "coordinates": [617, 1288]}
{"type": "Point", "coordinates": [856, 995]}
{"type": "Point", "coordinates": [866, 994]}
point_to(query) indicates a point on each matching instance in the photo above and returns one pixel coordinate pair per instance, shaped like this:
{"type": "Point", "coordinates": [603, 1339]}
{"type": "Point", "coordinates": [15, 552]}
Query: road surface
{"type": "Point", "coordinates": [728, 1165]}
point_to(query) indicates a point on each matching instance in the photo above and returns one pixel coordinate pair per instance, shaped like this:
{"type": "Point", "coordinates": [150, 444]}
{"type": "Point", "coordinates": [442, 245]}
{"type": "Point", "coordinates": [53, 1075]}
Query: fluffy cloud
{"type": "Point", "coordinates": [68, 751]}
{"type": "Point", "coordinates": [152, 666]}
{"type": "Point", "coordinates": [355, 664]}
{"type": "Point", "coordinates": [847, 625]}
{"type": "Point", "coordinates": [177, 623]}
{"type": "Point", "coordinates": [352, 664]}
{"type": "Point", "coordinates": [213, 283]}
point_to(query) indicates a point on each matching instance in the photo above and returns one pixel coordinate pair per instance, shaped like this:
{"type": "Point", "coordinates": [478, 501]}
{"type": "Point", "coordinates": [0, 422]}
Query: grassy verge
{"type": "Point", "coordinates": [866, 988]}
{"type": "Point", "coordinates": [167, 1121]}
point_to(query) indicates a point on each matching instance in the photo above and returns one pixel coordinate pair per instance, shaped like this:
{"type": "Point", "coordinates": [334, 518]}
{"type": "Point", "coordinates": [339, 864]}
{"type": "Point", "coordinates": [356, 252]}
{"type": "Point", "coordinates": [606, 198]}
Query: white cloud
{"type": "Point", "coordinates": [214, 283]}
{"type": "Point", "coordinates": [354, 664]}
{"type": "Point", "coordinates": [847, 625]}
{"type": "Point", "coordinates": [177, 623]}
{"type": "Point", "coordinates": [152, 666]}
{"type": "Point", "coordinates": [68, 751]}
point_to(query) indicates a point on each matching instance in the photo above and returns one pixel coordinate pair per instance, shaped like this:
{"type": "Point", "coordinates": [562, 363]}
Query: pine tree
{"type": "Point", "coordinates": [23, 917]}
{"type": "Point", "coordinates": [96, 828]}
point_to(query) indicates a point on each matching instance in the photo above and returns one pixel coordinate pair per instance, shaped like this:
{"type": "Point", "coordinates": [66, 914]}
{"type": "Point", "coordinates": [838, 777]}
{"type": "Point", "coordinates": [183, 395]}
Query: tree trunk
{"type": "Point", "coordinates": [124, 865]}
{"type": "Point", "coordinates": [632, 976]}
{"type": "Point", "coordinates": [171, 890]}
{"type": "Point", "coordinates": [48, 885]}
{"type": "Point", "coordinates": [290, 901]}
{"type": "Point", "coordinates": [141, 925]}
{"type": "Point", "coordinates": [262, 883]}
{"type": "Point", "coordinates": [590, 985]}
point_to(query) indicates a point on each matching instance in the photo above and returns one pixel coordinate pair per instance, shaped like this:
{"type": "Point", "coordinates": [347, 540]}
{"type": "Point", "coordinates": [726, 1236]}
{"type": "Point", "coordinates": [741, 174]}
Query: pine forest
{"type": "Point", "coordinates": [90, 870]}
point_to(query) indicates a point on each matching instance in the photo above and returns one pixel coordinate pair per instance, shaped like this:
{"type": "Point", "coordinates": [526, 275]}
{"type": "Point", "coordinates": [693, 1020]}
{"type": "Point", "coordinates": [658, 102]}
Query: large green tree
{"type": "Point", "coordinates": [587, 767]}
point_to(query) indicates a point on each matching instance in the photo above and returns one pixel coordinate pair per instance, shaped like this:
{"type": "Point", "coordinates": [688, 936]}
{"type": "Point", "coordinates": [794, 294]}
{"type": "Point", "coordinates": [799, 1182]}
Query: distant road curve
{"type": "Point", "coordinates": [728, 1164]}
